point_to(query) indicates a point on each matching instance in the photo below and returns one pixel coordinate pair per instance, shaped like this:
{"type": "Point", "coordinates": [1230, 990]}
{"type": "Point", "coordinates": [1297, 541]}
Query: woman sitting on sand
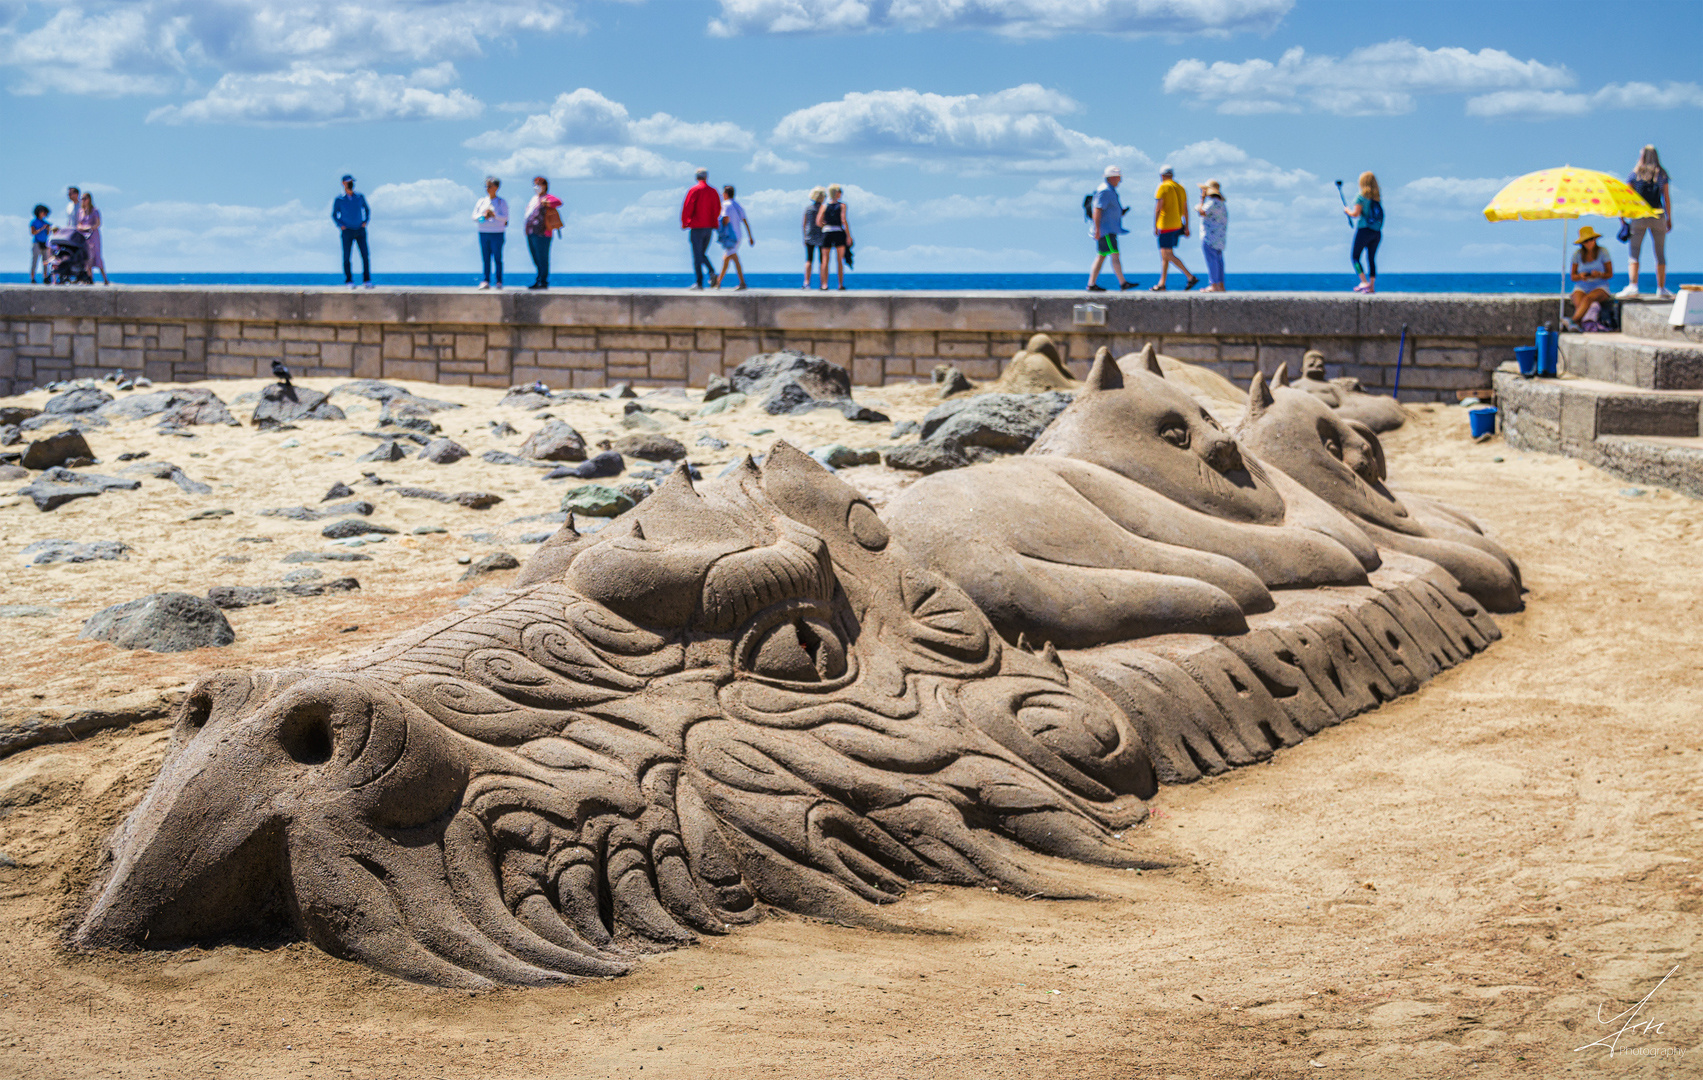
{"type": "Point", "coordinates": [1590, 264]}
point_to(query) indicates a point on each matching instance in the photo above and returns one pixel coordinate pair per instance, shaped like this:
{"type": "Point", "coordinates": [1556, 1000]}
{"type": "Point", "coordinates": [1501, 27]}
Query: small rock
{"type": "Point", "coordinates": [49, 496]}
{"type": "Point", "coordinates": [288, 444]}
{"type": "Point", "coordinates": [503, 430]}
{"type": "Point", "coordinates": [13, 472]}
{"type": "Point", "coordinates": [77, 401]}
{"type": "Point", "coordinates": [397, 436]}
{"type": "Point", "coordinates": [13, 415]}
{"type": "Point", "coordinates": [497, 560]}
{"type": "Point", "coordinates": [26, 611]}
{"type": "Point", "coordinates": [443, 452]}
{"type": "Point", "coordinates": [717, 386]}
{"type": "Point", "coordinates": [603, 464]}
{"type": "Point", "coordinates": [10, 435]}
{"type": "Point", "coordinates": [43, 552]}
{"type": "Point", "coordinates": [232, 597]}
{"type": "Point", "coordinates": [597, 500]}
{"type": "Point", "coordinates": [839, 456]}
{"type": "Point", "coordinates": [1632, 492]}
{"type": "Point", "coordinates": [209, 515]}
{"type": "Point", "coordinates": [464, 559]}
{"type": "Point", "coordinates": [320, 588]}
{"type": "Point", "coordinates": [429, 530]}
{"type": "Point", "coordinates": [280, 404]}
{"type": "Point", "coordinates": [339, 490]}
{"type": "Point", "coordinates": [133, 455]}
{"type": "Point", "coordinates": [725, 403]}
{"type": "Point", "coordinates": [524, 397]}
{"type": "Point", "coordinates": [477, 500]}
{"type": "Point", "coordinates": [638, 421]}
{"type": "Point", "coordinates": [951, 380]}
{"type": "Point", "coordinates": [384, 451]}
{"type": "Point", "coordinates": [350, 527]}
{"type": "Point", "coordinates": [165, 470]}
{"type": "Point", "coordinates": [555, 441]}
{"type": "Point", "coordinates": [163, 623]}
{"type": "Point", "coordinates": [903, 428]}
{"type": "Point", "coordinates": [375, 390]}
{"type": "Point", "coordinates": [710, 442]}
{"type": "Point", "coordinates": [325, 556]}
{"type": "Point", "coordinates": [254, 539]}
{"type": "Point", "coordinates": [620, 390]}
{"type": "Point", "coordinates": [295, 577]}
{"type": "Point", "coordinates": [651, 447]}
{"type": "Point", "coordinates": [56, 449]}
{"type": "Point", "coordinates": [499, 457]}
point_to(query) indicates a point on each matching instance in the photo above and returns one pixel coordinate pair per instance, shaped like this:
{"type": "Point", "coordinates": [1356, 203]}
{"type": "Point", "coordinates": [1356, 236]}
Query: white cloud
{"type": "Point", "coordinates": [308, 95]}
{"type": "Point", "coordinates": [1452, 190]}
{"type": "Point", "coordinates": [1552, 104]}
{"type": "Point", "coordinates": [1011, 18]}
{"type": "Point", "coordinates": [1012, 129]}
{"type": "Point", "coordinates": [1376, 80]}
{"type": "Point", "coordinates": [1234, 168]}
{"type": "Point", "coordinates": [585, 135]}
{"type": "Point", "coordinates": [155, 46]}
{"type": "Point", "coordinates": [423, 198]}
{"type": "Point", "coordinates": [768, 161]}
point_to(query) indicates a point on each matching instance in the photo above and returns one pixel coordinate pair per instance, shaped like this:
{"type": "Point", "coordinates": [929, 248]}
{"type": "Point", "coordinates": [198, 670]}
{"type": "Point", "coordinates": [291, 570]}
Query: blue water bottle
{"type": "Point", "coordinates": [1548, 345]}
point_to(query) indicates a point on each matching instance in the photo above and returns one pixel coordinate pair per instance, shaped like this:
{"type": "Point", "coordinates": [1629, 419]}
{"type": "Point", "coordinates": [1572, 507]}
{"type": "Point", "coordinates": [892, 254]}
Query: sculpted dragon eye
{"type": "Point", "coordinates": [802, 648]}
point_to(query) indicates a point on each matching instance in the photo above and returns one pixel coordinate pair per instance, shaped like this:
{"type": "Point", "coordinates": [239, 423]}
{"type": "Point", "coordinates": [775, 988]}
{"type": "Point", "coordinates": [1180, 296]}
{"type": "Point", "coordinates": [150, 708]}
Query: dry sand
{"type": "Point", "coordinates": [1452, 886]}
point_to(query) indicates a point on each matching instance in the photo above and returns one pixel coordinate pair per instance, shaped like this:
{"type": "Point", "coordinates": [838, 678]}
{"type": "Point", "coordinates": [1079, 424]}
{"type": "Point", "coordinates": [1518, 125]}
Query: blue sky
{"type": "Point", "coordinates": [965, 131]}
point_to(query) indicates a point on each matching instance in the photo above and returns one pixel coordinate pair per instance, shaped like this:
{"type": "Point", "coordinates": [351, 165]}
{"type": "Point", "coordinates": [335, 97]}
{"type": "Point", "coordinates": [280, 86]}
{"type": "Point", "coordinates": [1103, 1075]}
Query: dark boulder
{"type": "Point", "coordinates": [186, 406]}
{"type": "Point", "coordinates": [602, 464]}
{"type": "Point", "coordinates": [650, 447]}
{"type": "Point", "coordinates": [348, 527]}
{"type": "Point", "coordinates": [280, 404]}
{"type": "Point", "coordinates": [82, 400]}
{"type": "Point", "coordinates": [57, 449]}
{"type": "Point", "coordinates": [384, 451]}
{"type": "Point", "coordinates": [165, 470]}
{"type": "Point", "coordinates": [45, 552]}
{"type": "Point", "coordinates": [163, 623]}
{"type": "Point", "coordinates": [14, 415]}
{"type": "Point", "coordinates": [524, 397]}
{"type": "Point", "coordinates": [497, 560]}
{"type": "Point", "coordinates": [789, 383]}
{"type": "Point", "coordinates": [375, 390]}
{"type": "Point", "coordinates": [339, 490]}
{"type": "Point", "coordinates": [969, 430]}
{"type": "Point", "coordinates": [717, 386]}
{"type": "Point", "coordinates": [555, 441]}
{"type": "Point", "coordinates": [443, 452]}
{"type": "Point", "coordinates": [231, 597]}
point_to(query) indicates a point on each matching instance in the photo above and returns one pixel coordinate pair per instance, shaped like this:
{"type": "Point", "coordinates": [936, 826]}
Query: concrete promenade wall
{"type": "Point", "coordinates": [593, 337]}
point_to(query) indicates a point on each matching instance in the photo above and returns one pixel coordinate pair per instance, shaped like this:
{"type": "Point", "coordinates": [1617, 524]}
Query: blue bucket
{"type": "Point", "coordinates": [1526, 357]}
{"type": "Point", "coordinates": [1482, 419]}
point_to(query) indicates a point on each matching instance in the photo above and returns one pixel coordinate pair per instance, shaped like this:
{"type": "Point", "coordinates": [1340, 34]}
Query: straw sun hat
{"type": "Point", "coordinates": [1210, 188]}
{"type": "Point", "coordinates": [1587, 233]}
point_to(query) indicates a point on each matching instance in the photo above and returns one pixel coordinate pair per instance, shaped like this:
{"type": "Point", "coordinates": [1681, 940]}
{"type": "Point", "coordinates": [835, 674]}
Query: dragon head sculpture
{"type": "Point", "coordinates": [735, 695]}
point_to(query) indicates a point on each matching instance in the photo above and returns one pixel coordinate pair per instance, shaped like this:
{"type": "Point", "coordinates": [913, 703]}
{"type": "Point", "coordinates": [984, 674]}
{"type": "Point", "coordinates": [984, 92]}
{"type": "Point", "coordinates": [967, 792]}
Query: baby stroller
{"type": "Point", "coordinates": [67, 260]}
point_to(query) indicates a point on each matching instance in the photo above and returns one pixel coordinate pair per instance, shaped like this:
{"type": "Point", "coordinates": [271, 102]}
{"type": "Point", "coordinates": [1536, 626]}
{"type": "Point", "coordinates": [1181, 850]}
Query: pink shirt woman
{"type": "Point", "coordinates": [89, 224]}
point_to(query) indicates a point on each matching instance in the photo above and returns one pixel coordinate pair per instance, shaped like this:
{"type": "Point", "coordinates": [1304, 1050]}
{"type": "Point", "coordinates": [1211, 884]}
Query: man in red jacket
{"type": "Point", "coordinates": [699, 216]}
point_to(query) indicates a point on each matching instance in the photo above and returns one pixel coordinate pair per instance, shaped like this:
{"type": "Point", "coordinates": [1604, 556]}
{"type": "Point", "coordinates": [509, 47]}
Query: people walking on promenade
{"type": "Point", "coordinates": [1591, 264]}
{"type": "Point", "coordinates": [732, 218]}
{"type": "Point", "coordinates": [40, 230]}
{"type": "Point", "coordinates": [1650, 180]}
{"type": "Point", "coordinates": [543, 223]}
{"type": "Point", "coordinates": [491, 217]}
{"type": "Point", "coordinates": [836, 234]}
{"type": "Point", "coordinates": [349, 210]}
{"type": "Point", "coordinates": [73, 208]}
{"type": "Point", "coordinates": [1105, 217]}
{"type": "Point", "coordinates": [1214, 220]}
{"type": "Point", "coordinates": [1170, 224]}
{"type": "Point", "coordinates": [1367, 212]}
{"type": "Point", "coordinates": [89, 224]}
{"type": "Point", "coordinates": [699, 215]}
{"type": "Point", "coordinates": [812, 231]}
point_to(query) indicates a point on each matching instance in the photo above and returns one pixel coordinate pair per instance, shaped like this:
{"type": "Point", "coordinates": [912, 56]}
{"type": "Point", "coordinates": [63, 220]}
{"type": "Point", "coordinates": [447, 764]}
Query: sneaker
{"type": "Point", "coordinates": [498, 286]}
{"type": "Point", "coordinates": [1569, 325]}
{"type": "Point", "coordinates": [1630, 291]}
{"type": "Point", "coordinates": [1096, 288]}
{"type": "Point", "coordinates": [351, 285]}
{"type": "Point", "coordinates": [366, 284]}
{"type": "Point", "coordinates": [484, 285]}
{"type": "Point", "coordinates": [1664, 295]}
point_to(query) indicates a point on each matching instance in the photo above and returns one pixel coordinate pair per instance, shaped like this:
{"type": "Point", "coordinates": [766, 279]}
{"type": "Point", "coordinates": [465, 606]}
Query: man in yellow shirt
{"type": "Point", "coordinates": [1170, 224]}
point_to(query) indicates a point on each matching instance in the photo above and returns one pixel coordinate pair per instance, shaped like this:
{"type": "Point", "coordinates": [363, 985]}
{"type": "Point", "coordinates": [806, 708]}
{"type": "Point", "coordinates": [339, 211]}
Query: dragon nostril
{"type": "Point", "coordinates": [197, 711]}
{"type": "Point", "coordinates": [305, 733]}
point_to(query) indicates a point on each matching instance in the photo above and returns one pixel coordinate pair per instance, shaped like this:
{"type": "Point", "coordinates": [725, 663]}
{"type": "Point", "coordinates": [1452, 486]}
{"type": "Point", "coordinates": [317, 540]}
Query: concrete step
{"type": "Point", "coordinates": [1646, 436]}
{"type": "Point", "coordinates": [1647, 317]}
{"type": "Point", "coordinates": [1648, 363]}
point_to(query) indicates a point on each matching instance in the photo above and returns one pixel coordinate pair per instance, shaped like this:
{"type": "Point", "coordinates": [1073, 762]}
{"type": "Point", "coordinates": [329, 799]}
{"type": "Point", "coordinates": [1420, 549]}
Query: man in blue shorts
{"type": "Point", "coordinates": [1107, 215]}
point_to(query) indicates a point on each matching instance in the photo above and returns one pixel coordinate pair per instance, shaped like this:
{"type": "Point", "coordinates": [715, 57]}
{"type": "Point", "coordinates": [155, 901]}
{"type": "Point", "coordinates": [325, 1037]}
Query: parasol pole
{"type": "Point", "coordinates": [1561, 309]}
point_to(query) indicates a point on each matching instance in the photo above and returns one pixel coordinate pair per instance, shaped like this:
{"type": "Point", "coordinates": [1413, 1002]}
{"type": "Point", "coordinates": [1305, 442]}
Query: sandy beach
{"type": "Point", "coordinates": [1455, 884]}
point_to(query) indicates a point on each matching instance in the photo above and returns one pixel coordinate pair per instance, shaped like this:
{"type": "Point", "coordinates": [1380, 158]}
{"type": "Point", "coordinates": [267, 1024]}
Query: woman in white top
{"type": "Point", "coordinates": [491, 215]}
{"type": "Point", "coordinates": [1591, 264]}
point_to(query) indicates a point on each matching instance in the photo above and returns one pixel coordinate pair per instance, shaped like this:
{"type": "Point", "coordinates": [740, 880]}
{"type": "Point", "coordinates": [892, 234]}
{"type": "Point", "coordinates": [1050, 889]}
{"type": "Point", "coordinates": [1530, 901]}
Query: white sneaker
{"type": "Point", "coordinates": [366, 284]}
{"type": "Point", "coordinates": [351, 285]}
{"type": "Point", "coordinates": [484, 285]}
{"type": "Point", "coordinates": [1664, 295]}
{"type": "Point", "coordinates": [1630, 290]}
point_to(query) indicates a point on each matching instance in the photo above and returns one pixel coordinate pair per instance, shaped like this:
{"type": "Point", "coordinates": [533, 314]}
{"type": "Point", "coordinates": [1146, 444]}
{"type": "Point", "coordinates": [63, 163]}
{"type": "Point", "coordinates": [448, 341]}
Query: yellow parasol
{"type": "Point", "coordinates": [1567, 192]}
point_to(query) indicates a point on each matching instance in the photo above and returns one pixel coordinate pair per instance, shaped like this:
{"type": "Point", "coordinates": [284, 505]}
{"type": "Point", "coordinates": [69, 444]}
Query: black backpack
{"type": "Point", "coordinates": [1088, 206]}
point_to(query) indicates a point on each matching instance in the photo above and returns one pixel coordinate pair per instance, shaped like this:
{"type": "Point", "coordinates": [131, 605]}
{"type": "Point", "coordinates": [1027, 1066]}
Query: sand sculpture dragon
{"type": "Point", "coordinates": [756, 692]}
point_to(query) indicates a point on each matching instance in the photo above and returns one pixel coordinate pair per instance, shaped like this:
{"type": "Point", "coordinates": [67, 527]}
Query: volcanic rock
{"type": "Point", "coordinates": [163, 622]}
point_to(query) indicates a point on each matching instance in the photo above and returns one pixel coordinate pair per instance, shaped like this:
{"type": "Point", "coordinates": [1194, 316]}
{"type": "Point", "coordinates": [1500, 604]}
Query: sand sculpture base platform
{"type": "Point", "coordinates": [1320, 657]}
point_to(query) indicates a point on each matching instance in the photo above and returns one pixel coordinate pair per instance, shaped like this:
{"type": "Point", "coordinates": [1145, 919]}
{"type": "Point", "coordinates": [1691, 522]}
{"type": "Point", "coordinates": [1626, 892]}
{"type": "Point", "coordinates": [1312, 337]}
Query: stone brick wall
{"type": "Point", "coordinates": [587, 338]}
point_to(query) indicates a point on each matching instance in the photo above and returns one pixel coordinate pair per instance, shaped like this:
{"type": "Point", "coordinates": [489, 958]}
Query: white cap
{"type": "Point", "coordinates": [1165, 170]}
{"type": "Point", "coordinates": [1113, 170]}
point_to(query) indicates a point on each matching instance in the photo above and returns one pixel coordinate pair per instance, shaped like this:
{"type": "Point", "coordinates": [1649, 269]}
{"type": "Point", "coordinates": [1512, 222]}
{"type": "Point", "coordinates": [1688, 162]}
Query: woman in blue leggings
{"type": "Point", "coordinates": [1367, 212]}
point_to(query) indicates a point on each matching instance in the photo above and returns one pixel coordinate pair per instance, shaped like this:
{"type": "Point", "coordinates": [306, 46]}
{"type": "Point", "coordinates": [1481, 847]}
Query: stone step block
{"type": "Point", "coordinates": [1648, 319]}
{"type": "Point", "coordinates": [1652, 364]}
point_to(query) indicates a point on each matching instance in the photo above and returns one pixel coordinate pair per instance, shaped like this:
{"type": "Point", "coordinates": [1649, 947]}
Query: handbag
{"type": "Point", "coordinates": [1625, 232]}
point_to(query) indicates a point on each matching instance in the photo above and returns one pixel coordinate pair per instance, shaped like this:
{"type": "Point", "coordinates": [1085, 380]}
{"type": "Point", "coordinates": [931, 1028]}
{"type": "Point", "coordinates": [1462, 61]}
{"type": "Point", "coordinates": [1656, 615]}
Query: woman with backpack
{"type": "Point", "coordinates": [1650, 180]}
{"type": "Point", "coordinates": [543, 222]}
{"type": "Point", "coordinates": [1367, 213]}
{"type": "Point", "coordinates": [835, 221]}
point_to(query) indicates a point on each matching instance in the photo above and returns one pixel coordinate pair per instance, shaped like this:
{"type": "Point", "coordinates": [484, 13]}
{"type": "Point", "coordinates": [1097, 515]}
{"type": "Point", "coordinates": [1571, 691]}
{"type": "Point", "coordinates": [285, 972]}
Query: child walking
{"type": "Point", "coordinates": [40, 230]}
{"type": "Point", "coordinates": [727, 234]}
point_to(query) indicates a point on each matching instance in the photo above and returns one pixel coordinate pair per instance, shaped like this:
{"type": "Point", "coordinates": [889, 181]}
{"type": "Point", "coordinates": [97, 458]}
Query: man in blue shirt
{"type": "Point", "coordinates": [349, 211]}
{"type": "Point", "coordinates": [1107, 214]}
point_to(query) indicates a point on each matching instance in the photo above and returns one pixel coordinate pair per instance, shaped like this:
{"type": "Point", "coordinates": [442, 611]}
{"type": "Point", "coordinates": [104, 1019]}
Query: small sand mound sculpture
{"type": "Point", "coordinates": [1341, 461]}
{"type": "Point", "coordinates": [1377, 412]}
{"type": "Point", "coordinates": [1034, 369]}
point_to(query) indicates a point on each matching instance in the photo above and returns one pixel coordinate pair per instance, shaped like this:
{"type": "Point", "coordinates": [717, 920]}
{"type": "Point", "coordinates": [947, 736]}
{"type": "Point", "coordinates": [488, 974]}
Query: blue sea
{"type": "Point", "coordinates": [1325, 283]}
